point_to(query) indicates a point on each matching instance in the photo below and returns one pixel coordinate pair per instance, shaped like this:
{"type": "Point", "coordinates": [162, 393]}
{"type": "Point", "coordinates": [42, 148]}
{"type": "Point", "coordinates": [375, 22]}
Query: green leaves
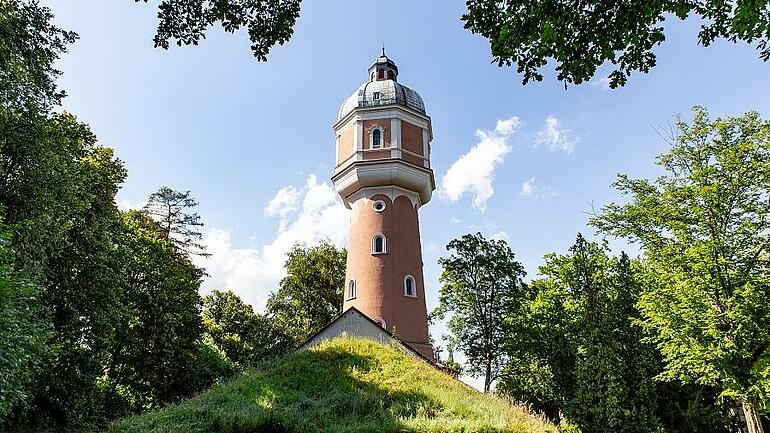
{"type": "Point", "coordinates": [268, 22]}
{"type": "Point", "coordinates": [245, 337]}
{"type": "Point", "coordinates": [480, 286]}
{"type": "Point", "coordinates": [704, 228]}
{"type": "Point", "coordinates": [31, 45]}
{"type": "Point", "coordinates": [581, 36]}
{"type": "Point", "coordinates": [310, 296]}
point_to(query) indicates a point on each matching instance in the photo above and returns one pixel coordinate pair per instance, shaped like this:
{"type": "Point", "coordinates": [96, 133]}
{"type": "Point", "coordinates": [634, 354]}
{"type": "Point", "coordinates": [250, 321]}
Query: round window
{"type": "Point", "coordinates": [378, 206]}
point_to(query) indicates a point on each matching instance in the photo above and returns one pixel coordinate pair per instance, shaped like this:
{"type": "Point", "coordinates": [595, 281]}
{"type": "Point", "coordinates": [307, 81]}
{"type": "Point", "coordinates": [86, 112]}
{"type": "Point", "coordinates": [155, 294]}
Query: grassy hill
{"type": "Point", "coordinates": [343, 385]}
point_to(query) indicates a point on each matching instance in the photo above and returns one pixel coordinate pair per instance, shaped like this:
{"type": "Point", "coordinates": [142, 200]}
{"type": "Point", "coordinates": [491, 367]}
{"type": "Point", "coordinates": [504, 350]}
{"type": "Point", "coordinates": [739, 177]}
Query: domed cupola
{"type": "Point", "coordinates": [383, 69]}
{"type": "Point", "coordinates": [382, 89]}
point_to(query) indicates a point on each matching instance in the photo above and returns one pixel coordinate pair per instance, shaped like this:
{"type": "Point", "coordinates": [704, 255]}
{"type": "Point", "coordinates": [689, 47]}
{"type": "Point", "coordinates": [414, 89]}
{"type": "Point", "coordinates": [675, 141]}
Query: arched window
{"type": "Point", "coordinates": [410, 287]}
{"type": "Point", "coordinates": [376, 139]}
{"type": "Point", "coordinates": [378, 244]}
{"type": "Point", "coordinates": [390, 75]}
{"type": "Point", "coordinates": [380, 74]}
{"type": "Point", "coordinates": [351, 292]}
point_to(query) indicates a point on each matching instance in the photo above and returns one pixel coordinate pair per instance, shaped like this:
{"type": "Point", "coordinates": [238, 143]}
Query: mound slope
{"type": "Point", "coordinates": [342, 385]}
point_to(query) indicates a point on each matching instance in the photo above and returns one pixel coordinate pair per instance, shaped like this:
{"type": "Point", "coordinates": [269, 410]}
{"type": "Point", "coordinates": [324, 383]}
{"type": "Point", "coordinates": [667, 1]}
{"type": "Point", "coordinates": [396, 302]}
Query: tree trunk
{"type": "Point", "coordinates": [751, 414]}
{"type": "Point", "coordinates": [488, 376]}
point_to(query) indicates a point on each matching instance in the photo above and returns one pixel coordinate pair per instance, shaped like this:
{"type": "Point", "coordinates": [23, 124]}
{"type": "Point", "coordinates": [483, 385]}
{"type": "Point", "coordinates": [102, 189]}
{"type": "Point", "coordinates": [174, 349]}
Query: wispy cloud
{"type": "Point", "coordinates": [472, 173]}
{"type": "Point", "coordinates": [556, 138]}
{"type": "Point", "coordinates": [532, 190]}
{"type": "Point", "coordinates": [283, 203]}
{"type": "Point", "coordinates": [308, 214]}
{"type": "Point", "coordinates": [602, 83]}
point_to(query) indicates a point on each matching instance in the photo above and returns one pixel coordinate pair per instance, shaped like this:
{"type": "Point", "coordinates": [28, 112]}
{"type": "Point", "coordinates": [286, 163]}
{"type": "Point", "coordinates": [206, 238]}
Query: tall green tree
{"type": "Point", "coordinates": [579, 36]}
{"type": "Point", "coordinates": [177, 221]}
{"type": "Point", "coordinates": [481, 285]}
{"type": "Point", "coordinates": [310, 296]}
{"type": "Point", "coordinates": [576, 352]}
{"type": "Point", "coordinates": [157, 341]}
{"type": "Point", "coordinates": [58, 187]}
{"type": "Point", "coordinates": [704, 228]}
{"type": "Point", "coordinates": [243, 335]}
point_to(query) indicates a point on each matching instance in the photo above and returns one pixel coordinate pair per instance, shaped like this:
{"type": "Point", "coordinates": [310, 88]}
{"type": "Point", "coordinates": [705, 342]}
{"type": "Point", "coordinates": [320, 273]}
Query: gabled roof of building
{"type": "Point", "coordinates": [405, 345]}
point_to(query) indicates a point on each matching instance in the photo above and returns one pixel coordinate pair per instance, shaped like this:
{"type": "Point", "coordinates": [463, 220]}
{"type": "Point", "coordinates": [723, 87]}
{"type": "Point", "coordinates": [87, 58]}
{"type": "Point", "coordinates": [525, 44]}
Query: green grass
{"type": "Point", "coordinates": [343, 385]}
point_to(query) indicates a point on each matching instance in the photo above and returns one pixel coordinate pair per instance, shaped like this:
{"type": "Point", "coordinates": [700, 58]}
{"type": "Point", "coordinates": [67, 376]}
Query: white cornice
{"type": "Point", "coordinates": [384, 173]}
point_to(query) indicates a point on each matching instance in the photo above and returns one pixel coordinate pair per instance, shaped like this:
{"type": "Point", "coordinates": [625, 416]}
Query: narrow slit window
{"type": "Point", "coordinates": [376, 139]}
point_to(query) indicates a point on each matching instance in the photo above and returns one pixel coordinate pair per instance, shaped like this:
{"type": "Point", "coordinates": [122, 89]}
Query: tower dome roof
{"type": "Point", "coordinates": [382, 89]}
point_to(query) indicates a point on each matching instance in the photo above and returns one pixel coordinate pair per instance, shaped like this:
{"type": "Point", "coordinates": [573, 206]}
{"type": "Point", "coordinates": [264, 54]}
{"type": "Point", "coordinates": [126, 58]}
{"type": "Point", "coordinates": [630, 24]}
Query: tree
{"type": "Point", "coordinates": [177, 224]}
{"type": "Point", "coordinates": [576, 352]}
{"type": "Point", "coordinates": [268, 22]}
{"type": "Point", "coordinates": [480, 286]}
{"type": "Point", "coordinates": [23, 332]}
{"type": "Point", "coordinates": [581, 36]}
{"type": "Point", "coordinates": [244, 336]}
{"type": "Point", "coordinates": [704, 228]}
{"type": "Point", "coordinates": [58, 189]}
{"type": "Point", "coordinates": [31, 44]}
{"type": "Point", "coordinates": [310, 296]}
{"type": "Point", "coordinates": [157, 340]}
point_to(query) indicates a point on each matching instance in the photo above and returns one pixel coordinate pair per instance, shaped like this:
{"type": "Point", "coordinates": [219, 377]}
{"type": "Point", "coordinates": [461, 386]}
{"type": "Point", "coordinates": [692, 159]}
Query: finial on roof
{"type": "Point", "coordinates": [383, 49]}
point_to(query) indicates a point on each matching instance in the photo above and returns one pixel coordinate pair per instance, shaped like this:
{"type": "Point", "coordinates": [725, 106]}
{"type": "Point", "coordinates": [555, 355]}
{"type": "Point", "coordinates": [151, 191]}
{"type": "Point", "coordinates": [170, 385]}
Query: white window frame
{"type": "Point", "coordinates": [374, 205]}
{"type": "Point", "coordinates": [348, 291]}
{"type": "Point", "coordinates": [384, 244]}
{"type": "Point", "coordinates": [382, 137]}
{"type": "Point", "coordinates": [414, 287]}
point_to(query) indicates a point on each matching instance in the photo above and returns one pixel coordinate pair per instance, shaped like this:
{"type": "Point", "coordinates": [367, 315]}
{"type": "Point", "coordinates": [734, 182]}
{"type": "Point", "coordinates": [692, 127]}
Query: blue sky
{"type": "Point", "coordinates": [253, 141]}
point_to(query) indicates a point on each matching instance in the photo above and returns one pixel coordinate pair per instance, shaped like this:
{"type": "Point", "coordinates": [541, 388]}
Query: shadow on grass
{"type": "Point", "coordinates": [309, 391]}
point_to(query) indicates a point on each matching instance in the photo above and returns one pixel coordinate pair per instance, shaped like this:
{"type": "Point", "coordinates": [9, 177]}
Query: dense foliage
{"type": "Point", "coordinates": [268, 22]}
{"type": "Point", "coordinates": [247, 338]}
{"type": "Point", "coordinates": [577, 356]}
{"type": "Point", "coordinates": [310, 296]}
{"type": "Point", "coordinates": [580, 36]}
{"type": "Point", "coordinates": [704, 228]}
{"type": "Point", "coordinates": [342, 385]}
{"type": "Point", "coordinates": [22, 333]}
{"type": "Point", "coordinates": [100, 314]}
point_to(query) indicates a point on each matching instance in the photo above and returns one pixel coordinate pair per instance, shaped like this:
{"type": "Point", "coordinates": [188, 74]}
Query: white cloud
{"type": "Point", "coordinates": [455, 220]}
{"type": "Point", "coordinates": [501, 236]}
{"type": "Point", "coordinates": [530, 189]}
{"type": "Point", "coordinates": [555, 137]}
{"type": "Point", "coordinates": [473, 172]}
{"type": "Point", "coordinates": [602, 83]}
{"type": "Point", "coordinates": [507, 126]}
{"type": "Point", "coordinates": [126, 205]}
{"type": "Point", "coordinates": [254, 272]}
{"type": "Point", "coordinates": [283, 203]}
